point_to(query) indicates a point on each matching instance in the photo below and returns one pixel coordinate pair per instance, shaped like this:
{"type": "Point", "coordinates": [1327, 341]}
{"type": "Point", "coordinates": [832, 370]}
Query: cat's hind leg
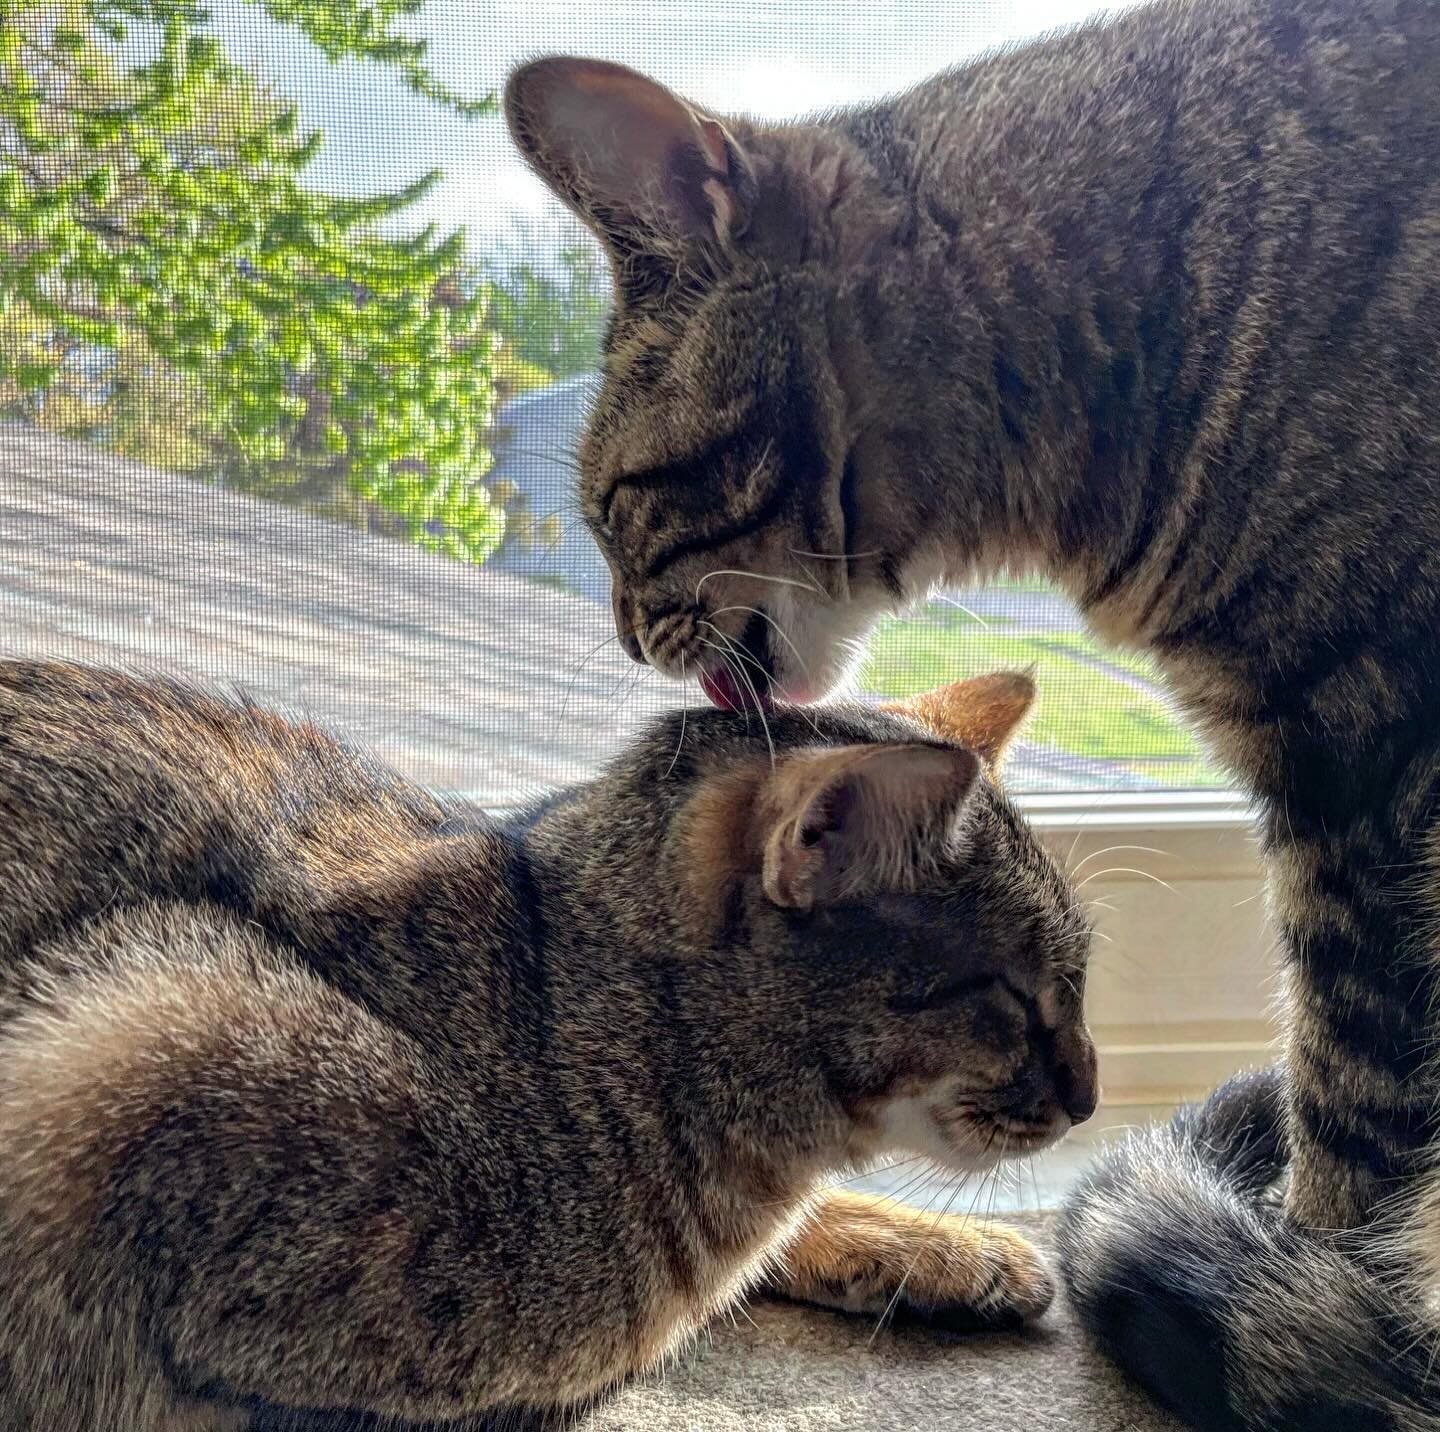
{"type": "Point", "coordinates": [869, 1255]}
{"type": "Point", "coordinates": [218, 1186]}
{"type": "Point", "coordinates": [102, 1029]}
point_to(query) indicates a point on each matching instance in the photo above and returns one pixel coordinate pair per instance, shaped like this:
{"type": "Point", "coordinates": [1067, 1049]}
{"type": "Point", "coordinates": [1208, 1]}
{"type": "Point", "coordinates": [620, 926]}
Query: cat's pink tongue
{"type": "Point", "coordinates": [726, 692]}
{"type": "Point", "coordinates": [722, 689]}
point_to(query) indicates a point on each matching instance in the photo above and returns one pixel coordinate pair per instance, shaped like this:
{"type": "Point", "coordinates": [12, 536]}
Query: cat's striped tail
{"type": "Point", "coordinates": [1191, 1279]}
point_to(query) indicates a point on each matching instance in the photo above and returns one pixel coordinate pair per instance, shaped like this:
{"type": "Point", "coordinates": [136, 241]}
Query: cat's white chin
{"type": "Point", "coordinates": [924, 1124]}
{"type": "Point", "coordinates": [822, 648]}
{"type": "Point", "coordinates": [821, 645]}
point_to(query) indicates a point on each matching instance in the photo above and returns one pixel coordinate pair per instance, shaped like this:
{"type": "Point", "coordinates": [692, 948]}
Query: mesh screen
{"type": "Point", "coordinates": [275, 413]}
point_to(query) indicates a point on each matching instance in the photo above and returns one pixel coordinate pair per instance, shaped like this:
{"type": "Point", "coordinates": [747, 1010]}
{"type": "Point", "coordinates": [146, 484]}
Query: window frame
{"type": "Point", "coordinates": [1181, 992]}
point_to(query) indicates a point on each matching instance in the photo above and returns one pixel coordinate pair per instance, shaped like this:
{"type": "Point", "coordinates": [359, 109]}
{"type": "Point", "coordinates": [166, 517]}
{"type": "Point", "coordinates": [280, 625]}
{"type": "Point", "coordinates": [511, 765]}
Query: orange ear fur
{"type": "Point", "coordinates": [984, 713]}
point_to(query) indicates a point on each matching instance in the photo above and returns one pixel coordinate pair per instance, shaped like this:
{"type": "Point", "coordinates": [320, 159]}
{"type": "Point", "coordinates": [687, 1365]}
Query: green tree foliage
{"type": "Point", "coordinates": [548, 314]}
{"type": "Point", "coordinates": [551, 316]}
{"type": "Point", "coordinates": [171, 287]}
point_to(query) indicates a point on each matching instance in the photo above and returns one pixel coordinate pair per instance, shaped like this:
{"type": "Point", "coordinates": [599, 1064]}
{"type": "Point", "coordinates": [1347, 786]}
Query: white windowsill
{"type": "Point", "coordinates": [1181, 977]}
{"type": "Point", "coordinates": [1128, 810]}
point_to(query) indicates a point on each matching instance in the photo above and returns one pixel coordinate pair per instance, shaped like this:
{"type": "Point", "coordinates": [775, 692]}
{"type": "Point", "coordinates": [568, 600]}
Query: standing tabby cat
{"type": "Point", "coordinates": [316, 1093]}
{"type": "Point", "coordinates": [1151, 307]}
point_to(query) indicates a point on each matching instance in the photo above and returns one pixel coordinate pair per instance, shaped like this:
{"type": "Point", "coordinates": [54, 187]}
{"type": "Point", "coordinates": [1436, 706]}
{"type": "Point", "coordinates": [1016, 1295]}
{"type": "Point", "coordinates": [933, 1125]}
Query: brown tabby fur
{"type": "Point", "coordinates": [318, 1093]}
{"type": "Point", "coordinates": [1151, 307]}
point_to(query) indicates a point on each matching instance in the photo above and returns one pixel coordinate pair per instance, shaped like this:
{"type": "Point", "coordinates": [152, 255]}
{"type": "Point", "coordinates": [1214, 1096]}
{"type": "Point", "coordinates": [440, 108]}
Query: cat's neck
{"type": "Point", "coordinates": [539, 947]}
{"type": "Point", "coordinates": [1033, 368]}
{"type": "Point", "coordinates": [725, 1056]}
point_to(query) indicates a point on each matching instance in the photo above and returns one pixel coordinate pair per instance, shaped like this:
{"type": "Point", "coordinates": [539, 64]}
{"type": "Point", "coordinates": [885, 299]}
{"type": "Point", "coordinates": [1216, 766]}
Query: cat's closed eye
{"type": "Point", "coordinates": [955, 991]}
{"type": "Point", "coordinates": [601, 524]}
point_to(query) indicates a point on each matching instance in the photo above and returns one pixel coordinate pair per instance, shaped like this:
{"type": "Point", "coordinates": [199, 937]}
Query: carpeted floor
{"type": "Point", "coordinates": [782, 1368]}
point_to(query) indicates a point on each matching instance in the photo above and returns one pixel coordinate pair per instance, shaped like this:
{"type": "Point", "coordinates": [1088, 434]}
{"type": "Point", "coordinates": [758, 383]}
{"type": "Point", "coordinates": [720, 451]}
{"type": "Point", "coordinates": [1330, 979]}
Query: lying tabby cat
{"type": "Point", "coordinates": [1153, 308]}
{"type": "Point", "coordinates": [318, 1093]}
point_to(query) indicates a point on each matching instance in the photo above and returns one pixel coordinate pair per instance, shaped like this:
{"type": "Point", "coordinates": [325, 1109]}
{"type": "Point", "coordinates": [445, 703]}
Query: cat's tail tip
{"type": "Point", "coordinates": [1186, 1272]}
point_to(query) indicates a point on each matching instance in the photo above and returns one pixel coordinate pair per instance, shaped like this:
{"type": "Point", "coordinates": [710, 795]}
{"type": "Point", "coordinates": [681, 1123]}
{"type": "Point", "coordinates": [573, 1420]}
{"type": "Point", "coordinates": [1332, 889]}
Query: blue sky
{"type": "Point", "coordinates": [772, 58]}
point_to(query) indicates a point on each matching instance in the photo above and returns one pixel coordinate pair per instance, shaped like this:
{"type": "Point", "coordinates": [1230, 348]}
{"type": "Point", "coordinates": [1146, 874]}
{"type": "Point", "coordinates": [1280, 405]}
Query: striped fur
{"type": "Point", "coordinates": [1151, 307]}
{"type": "Point", "coordinates": [324, 1103]}
{"type": "Point", "coordinates": [1179, 1259]}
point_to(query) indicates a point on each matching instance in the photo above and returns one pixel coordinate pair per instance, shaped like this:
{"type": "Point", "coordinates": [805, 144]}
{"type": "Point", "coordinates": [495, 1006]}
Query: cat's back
{"type": "Point", "coordinates": [114, 787]}
{"type": "Point", "coordinates": [1332, 44]}
{"type": "Point", "coordinates": [1170, 82]}
{"type": "Point", "coordinates": [75, 734]}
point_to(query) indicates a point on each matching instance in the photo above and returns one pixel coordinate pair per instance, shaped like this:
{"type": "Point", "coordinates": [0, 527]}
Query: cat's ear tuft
{"type": "Point", "coordinates": [984, 713]}
{"type": "Point", "coordinates": [631, 158]}
{"type": "Point", "coordinates": [859, 820]}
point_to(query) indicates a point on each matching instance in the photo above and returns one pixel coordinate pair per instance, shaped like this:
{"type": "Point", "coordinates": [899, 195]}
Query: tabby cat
{"type": "Point", "coordinates": [1151, 307]}
{"type": "Point", "coordinates": [320, 1096]}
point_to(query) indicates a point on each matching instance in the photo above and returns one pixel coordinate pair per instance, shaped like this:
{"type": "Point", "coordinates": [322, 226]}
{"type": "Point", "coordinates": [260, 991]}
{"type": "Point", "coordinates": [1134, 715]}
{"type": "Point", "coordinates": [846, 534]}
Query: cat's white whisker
{"type": "Point", "coordinates": [1114, 850]}
{"type": "Point", "coordinates": [574, 675]}
{"type": "Point", "coordinates": [766, 617]}
{"type": "Point", "coordinates": [945, 599]}
{"type": "Point", "coordinates": [876, 1172]}
{"type": "Point", "coordinates": [556, 456]}
{"type": "Point", "coordinates": [835, 556]}
{"type": "Point", "coordinates": [684, 717]}
{"type": "Point", "coordinates": [757, 576]}
{"type": "Point", "coordinates": [742, 654]}
{"type": "Point", "coordinates": [915, 1186]}
{"type": "Point", "coordinates": [1125, 870]}
{"type": "Point", "coordinates": [919, 1253]}
{"type": "Point", "coordinates": [738, 670]}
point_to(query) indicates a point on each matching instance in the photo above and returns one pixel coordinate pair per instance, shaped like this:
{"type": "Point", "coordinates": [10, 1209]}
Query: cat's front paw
{"type": "Point", "coordinates": [873, 1257]}
{"type": "Point", "coordinates": [976, 1275]}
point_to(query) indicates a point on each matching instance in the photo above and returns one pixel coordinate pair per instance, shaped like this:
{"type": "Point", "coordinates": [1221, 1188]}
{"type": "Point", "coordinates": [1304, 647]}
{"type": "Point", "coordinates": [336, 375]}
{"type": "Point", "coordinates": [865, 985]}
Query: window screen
{"type": "Point", "coordinates": [294, 355]}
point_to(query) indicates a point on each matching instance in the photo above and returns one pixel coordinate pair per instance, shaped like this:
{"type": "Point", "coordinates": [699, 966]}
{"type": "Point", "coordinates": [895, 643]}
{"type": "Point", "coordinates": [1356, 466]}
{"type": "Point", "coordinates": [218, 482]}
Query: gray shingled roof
{"type": "Point", "coordinates": [456, 674]}
{"type": "Point", "coordinates": [470, 680]}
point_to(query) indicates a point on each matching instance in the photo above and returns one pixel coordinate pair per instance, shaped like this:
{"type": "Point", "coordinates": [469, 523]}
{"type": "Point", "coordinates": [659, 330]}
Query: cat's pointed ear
{"type": "Point", "coordinates": [860, 819]}
{"type": "Point", "coordinates": [984, 713]}
{"type": "Point", "coordinates": [628, 156]}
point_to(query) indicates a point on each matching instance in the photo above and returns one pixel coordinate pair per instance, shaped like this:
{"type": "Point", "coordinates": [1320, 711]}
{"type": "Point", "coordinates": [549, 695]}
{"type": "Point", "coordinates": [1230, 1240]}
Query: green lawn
{"type": "Point", "coordinates": [1083, 709]}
